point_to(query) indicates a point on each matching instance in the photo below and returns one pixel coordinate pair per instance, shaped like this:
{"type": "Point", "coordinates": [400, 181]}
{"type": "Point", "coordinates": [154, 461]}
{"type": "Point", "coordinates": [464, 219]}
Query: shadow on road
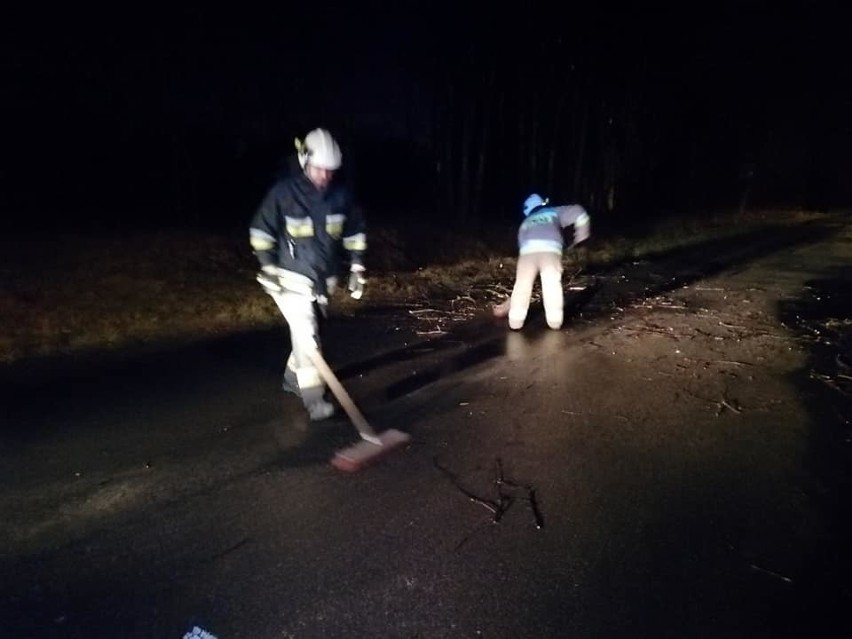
{"type": "Point", "coordinates": [822, 320]}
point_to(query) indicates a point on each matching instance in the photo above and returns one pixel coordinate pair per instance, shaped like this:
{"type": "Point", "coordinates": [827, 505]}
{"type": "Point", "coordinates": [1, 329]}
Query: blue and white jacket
{"type": "Point", "coordinates": [541, 231]}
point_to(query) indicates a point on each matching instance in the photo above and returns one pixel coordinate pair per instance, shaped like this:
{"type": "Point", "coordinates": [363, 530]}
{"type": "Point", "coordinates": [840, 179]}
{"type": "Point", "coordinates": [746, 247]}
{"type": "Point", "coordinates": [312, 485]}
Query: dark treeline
{"type": "Point", "coordinates": [448, 114]}
{"type": "Point", "coordinates": [642, 113]}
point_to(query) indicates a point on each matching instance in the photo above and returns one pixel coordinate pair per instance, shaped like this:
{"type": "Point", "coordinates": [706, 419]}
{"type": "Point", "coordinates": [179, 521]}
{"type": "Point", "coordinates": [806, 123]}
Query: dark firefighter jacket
{"type": "Point", "coordinates": [301, 229]}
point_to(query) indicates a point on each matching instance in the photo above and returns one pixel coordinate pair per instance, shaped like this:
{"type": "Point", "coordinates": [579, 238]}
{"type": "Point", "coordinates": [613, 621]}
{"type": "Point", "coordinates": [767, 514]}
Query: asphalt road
{"type": "Point", "coordinates": [558, 484]}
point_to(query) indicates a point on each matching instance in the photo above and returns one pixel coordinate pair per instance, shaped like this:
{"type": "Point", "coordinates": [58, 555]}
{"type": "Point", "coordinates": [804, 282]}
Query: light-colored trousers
{"type": "Point", "coordinates": [298, 305]}
{"type": "Point", "coordinates": [548, 267]}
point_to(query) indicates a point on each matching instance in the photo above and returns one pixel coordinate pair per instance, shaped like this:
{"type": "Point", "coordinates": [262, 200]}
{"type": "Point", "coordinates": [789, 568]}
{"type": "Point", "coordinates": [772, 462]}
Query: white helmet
{"type": "Point", "coordinates": [320, 149]}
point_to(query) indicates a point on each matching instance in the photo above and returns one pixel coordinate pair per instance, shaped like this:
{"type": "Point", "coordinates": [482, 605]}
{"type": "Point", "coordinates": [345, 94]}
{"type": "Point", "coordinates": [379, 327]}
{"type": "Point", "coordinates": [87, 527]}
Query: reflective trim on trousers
{"type": "Point", "coordinates": [299, 312]}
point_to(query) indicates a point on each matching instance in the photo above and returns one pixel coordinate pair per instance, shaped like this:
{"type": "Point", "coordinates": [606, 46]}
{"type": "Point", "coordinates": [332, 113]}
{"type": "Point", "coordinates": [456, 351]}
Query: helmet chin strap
{"type": "Point", "coordinates": [303, 153]}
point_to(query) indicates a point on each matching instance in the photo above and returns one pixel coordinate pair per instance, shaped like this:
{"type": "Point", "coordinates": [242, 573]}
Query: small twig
{"type": "Point", "coordinates": [230, 549]}
{"type": "Point", "coordinates": [710, 335]}
{"type": "Point", "coordinates": [539, 520]}
{"type": "Point", "coordinates": [723, 403]}
{"type": "Point", "coordinates": [830, 383]}
{"type": "Point", "coordinates": [474, 532]}
{"type": "Point", "coordinates": [478, 500]}
{"type": "Point", "coordinates": [771, 573]}
{"type": "Point", "coordinates": [728, 361]}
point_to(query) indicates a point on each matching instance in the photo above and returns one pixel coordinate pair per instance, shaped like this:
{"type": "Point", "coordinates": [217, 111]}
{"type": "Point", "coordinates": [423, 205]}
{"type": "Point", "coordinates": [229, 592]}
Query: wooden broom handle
{"type": "Point", "coordinates": [343, 397]}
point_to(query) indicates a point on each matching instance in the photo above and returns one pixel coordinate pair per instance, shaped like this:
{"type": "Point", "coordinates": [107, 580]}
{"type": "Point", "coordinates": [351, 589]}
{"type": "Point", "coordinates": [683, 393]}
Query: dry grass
{"type": "Point", "coordinates": [75, 293]}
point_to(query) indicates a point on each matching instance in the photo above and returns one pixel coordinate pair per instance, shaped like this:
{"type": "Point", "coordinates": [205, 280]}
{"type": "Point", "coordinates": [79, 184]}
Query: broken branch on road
{"type": "Point", "coordinates": [502, 503]}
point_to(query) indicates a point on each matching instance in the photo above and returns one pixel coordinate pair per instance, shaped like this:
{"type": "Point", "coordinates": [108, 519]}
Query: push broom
{"type": "Point", "coordinates": [373, 446]}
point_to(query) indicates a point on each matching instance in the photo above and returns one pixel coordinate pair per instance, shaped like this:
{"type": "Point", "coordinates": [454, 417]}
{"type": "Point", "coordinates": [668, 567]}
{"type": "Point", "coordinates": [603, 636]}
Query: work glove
{"type": "Point", "coordinates": [322, 305]}
{"type": "Point", "coordinates": [356, 282]}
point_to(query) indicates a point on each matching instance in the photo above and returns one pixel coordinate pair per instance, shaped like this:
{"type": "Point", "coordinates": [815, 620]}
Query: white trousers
{"type": "Point", "coordinates": [299, 308]}
{"type": "Point", "coordinates": [299, 312]}
{"type": "Point", "coordinates": [547, 267]}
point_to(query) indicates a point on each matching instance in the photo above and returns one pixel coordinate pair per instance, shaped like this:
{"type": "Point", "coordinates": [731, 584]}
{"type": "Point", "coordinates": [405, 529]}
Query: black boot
{"type": "Point", "coordinates": [291, 383]}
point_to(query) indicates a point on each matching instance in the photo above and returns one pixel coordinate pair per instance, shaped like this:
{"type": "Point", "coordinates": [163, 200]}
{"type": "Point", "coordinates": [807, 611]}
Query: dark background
{"type": "Point", "coordinates": [130, 117]}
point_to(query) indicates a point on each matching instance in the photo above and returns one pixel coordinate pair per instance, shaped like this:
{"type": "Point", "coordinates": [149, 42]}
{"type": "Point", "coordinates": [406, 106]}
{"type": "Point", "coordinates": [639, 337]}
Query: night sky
{"type": "Point", "coordinates": [135, 117]}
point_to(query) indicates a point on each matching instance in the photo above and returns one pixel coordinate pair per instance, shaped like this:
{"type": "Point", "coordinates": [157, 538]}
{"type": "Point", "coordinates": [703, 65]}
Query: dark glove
{"type": "Point", "coordinates": [356, 282]}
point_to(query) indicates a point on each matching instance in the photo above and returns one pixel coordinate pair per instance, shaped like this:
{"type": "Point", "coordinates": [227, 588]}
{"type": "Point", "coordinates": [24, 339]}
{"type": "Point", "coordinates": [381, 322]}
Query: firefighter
{"type": "Point", "coordinates": [541, 243]}
{"type": "Point", "coordinates": [297, 234]}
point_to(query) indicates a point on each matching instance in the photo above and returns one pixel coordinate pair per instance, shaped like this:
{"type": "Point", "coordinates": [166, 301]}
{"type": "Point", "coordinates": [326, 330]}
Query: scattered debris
{"type": "Point", "coordinates": [829, 381]}
{"type": "Point", "coordinates": [660, 302]}
{"type": "Point", "coordinates": [479, 298]}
